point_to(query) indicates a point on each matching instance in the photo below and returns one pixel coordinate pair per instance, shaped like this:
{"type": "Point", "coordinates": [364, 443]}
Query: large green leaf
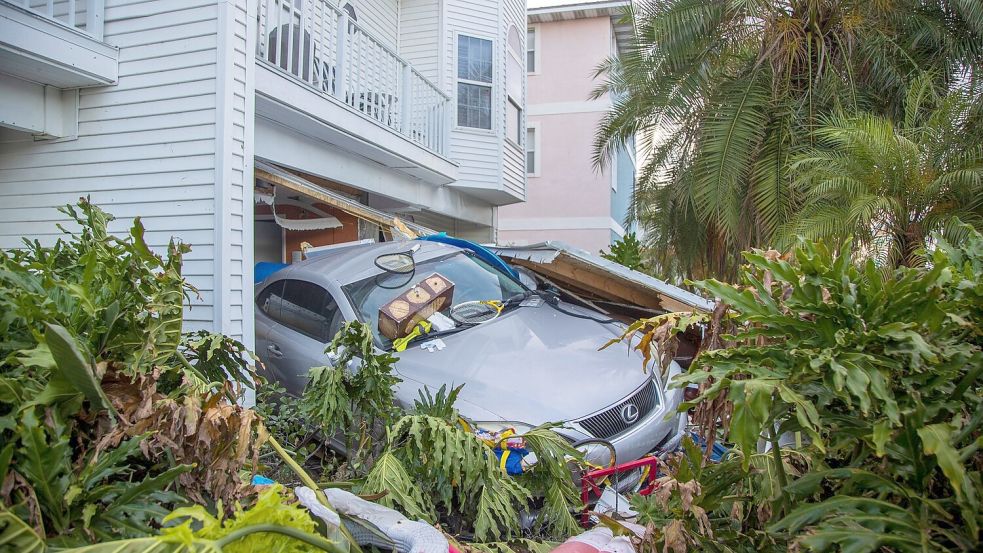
{"type": "Point", "coordinates": [74, 367]}
{"type": "Point", "coordinates": [937, 440]}
{"type": "Point", "coordinates": [16, 536]}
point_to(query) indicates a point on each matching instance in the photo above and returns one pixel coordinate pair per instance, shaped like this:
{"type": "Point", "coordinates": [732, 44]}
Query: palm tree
{"type": "Point", "coordinates": [723, 93]}
{"type": "Point", "coordinates": [892, 185]}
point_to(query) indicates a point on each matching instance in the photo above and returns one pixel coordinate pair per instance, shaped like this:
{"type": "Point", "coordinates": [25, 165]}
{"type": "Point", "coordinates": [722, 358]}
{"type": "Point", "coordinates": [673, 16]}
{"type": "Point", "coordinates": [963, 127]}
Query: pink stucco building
{"type": "Point", "coordinates": [567, 198]}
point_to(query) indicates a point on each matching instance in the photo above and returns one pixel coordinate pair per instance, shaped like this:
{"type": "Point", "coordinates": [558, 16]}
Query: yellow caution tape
{"type": "Point", "coordinates": [505, 456]}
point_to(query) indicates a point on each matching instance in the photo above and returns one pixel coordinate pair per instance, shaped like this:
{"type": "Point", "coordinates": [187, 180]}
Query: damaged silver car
{"type": "Point", "coordinates": [524, 356]}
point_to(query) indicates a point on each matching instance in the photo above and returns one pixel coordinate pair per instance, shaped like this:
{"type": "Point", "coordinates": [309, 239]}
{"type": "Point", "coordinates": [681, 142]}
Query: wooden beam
{"type": "Point", "coordinates": [595, 281]}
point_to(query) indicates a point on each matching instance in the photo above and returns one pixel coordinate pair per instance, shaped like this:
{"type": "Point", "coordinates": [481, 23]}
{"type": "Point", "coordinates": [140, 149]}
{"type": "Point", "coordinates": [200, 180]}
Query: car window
{"type": "Point", "coordinates": [269, 300]}
{"type": "Point", "coordinates": [309, 309]}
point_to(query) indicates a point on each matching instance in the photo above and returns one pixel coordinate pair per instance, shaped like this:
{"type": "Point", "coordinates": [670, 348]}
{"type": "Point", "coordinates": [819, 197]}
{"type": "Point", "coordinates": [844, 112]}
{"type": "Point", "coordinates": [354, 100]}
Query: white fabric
{"type": "Point", "coordinates": [596, 537]}
{"type": "Point", "coordinates": [308, 499]}
{"type": "Point", "coordinates": [410, 536]}
{"type": "Point", "coordinates": [619, 544]}
{"type": "Point", "coordinates": [612, 502]}
{"type": "Point", "coordinates": [319, 223]}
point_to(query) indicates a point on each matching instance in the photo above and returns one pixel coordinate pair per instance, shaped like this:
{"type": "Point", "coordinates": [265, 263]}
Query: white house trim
{"type": "Point", "coordinates": [561, 108]}
{"type": "Point", "coordinates": [558, 223]}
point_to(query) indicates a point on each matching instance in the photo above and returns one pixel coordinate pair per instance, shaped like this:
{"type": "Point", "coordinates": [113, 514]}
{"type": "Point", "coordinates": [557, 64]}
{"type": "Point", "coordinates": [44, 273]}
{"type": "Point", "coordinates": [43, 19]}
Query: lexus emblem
{"type": "Point", "coordinates": [629, 413]}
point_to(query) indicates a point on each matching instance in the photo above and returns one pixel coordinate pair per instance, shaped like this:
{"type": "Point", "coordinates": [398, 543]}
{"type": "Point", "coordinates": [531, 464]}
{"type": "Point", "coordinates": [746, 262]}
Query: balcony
{"type": "Point", "coordinates": [324, 76]}
{"type": "Point", "coordinates": [59, 44]}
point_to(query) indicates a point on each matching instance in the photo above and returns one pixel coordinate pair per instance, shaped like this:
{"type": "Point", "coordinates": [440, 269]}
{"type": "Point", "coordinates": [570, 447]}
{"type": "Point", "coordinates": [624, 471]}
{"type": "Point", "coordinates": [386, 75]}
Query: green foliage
{"type": "Point", "coordinates": [721, 95]}
{"type": "Point", "coordinates": [269, 508]}
{"type": "Point", "coordinates": [881, 372]}
{"type": "Point", "coordinates": [284, 419]}
{"type": "Point", "coordinates": [627, 251]}
{"type": "Point", "coordinates": [892, 184]}
{"type": "Point", "coordinates": [99, 406]}
{"type": "Point", "coordinates": [698, 503]}
{"type": "Point", "coordinates": [433, 465]}
{"type": "Point", "coordinates": [440, 405]}
{"type": "Point", "coordinates": [358, 401]}
{"type": "Point", "coordinates": [269, 526]}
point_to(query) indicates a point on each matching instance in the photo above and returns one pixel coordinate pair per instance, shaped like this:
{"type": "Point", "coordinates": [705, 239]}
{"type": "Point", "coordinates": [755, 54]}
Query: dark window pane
{"type": "Point", "coordinates": [530, 162]}
{"type": "Point", "coordinates": [531, 51]}
{"type": "Point", "coordinates": [309, 309]}
{"type": "Point", "coordinates": [269, 300]}
{"type": "Point", "coordinates": [474, 106]}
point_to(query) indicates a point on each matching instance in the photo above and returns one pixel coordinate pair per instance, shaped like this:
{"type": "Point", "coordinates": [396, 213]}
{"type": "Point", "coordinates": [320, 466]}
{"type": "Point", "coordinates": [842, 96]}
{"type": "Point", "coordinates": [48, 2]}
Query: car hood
{"type": "Point", "coordinates": [531, 365]}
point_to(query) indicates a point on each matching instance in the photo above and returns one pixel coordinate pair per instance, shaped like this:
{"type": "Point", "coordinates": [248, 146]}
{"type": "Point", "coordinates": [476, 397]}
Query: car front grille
{"type": "Point", "coordinates": [610, 422]}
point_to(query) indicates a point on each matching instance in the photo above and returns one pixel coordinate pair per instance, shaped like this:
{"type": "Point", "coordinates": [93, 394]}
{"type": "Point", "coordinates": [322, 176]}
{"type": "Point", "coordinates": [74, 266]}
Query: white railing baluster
{"type": "Point", "coordinates": [50, 7]}
{"type": "Point", "coordinates": [94, 25]}
{"type": "Point", "coordinates": [71, 13]}
{"type": "Point", "coordinates": [341, 57]}
{"type": "Point", "coordinates": [406, 101]}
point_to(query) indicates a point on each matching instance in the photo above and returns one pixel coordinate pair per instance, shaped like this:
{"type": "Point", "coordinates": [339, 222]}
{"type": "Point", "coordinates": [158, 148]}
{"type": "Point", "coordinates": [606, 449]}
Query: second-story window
{"type": "Point", "coordinates": [531, 50]}
{"type": "Point", "coordinates": [474, 82]}
{"type": "Point", "coordinates": [532, 153]}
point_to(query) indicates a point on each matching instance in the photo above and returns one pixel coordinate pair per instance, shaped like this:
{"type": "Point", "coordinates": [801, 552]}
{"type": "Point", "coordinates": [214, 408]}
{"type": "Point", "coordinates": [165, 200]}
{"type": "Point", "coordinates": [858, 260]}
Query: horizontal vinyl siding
{"type": "Point", "coordinates": [419, 36]}
{"type": "Point", "coordinates": [478, 153]}
{"type": "Point", "coordinates": [380, 18]}
{"type": "Point", "coordinates": [145, 147]}
{"type": "Point", "coordinates": [514, 169]}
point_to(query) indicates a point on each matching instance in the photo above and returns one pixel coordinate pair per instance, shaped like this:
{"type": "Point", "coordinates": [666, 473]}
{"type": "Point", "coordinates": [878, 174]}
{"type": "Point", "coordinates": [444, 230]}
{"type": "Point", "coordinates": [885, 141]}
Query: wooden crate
{"type": "Point", "coordinates": [432, 294]}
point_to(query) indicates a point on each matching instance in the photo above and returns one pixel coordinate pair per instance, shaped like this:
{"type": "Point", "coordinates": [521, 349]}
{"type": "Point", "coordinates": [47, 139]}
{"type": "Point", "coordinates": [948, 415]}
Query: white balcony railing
{"type": "Point", "coordinates": [83, 15]}
{"type": "Point", "coordinates": [318, 44]}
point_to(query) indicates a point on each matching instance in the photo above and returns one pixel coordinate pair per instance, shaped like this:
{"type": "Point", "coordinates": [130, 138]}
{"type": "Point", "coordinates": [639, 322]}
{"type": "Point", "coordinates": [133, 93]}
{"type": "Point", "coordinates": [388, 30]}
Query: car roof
{"type": "Point", "coordinates": [345, 265]}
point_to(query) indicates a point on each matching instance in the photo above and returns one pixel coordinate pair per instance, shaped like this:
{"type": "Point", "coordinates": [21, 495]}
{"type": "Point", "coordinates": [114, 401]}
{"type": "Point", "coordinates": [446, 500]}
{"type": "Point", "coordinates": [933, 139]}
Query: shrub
{"type": "Point", "coordinates": [106, 415]}
{"type": "Point", "coordinates": [862, 385]}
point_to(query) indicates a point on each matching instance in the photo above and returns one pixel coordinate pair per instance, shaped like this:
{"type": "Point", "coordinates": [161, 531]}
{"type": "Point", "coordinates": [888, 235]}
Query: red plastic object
{"type": "Point", "coordinates": [591, 481]}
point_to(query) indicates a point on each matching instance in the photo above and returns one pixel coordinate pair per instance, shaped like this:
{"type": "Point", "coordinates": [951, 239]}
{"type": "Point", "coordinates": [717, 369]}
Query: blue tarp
{"type": "Point", "coordinates": [482, 252]}
{"type": "Point", "coordinates": [264, 269]}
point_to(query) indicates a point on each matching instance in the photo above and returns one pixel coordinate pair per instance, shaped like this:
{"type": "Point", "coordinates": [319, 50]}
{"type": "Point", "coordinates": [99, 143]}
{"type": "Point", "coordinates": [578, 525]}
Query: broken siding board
{"type": "Point", "coordinates": [603, 278]}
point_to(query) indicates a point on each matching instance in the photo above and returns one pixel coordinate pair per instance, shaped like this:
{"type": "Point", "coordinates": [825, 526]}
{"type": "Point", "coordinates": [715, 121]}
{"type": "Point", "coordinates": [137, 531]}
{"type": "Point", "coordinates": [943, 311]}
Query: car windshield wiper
{"type": "Point", "coordinates": [516, 300]}
{"type": "Point", "coordinates": [438, 334]}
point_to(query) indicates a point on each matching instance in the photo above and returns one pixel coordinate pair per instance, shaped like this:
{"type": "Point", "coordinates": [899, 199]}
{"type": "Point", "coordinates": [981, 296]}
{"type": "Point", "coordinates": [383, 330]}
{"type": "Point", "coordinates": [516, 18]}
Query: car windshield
{"type": "Point", "coordinates": [473, 279]}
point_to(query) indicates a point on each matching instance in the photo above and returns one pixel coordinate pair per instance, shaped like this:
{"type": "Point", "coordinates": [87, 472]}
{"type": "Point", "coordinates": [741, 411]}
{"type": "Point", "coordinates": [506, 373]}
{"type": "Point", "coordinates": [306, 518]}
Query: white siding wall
{"type": "Point", "coordinates": [165, 144]}
{"type": "Point", "coordinates": [419, 36]}
{"type": "Point", "coordinates": [477, 151]}
{"type": "Point", "coordinates": [379, 17]}
{"type": "Point", "coordinates": [513, 157]}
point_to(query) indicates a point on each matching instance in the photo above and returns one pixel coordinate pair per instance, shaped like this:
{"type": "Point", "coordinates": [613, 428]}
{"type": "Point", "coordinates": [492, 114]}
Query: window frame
{"type": "Point", "coordinates": [260, 296]}
{"type": "Point", "coordinates": [520, 140]}
{"type": "Point", "coordinates": [534, 28]}
{"type": "Point", "coordinates": [338, 315]}
{"type": "Point", "coordinates": [533, 126]}
{"type": "Point", "coordinates": [492, 86]}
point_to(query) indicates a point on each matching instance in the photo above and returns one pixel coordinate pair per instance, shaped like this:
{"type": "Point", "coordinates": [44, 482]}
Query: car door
{"type": "Point", "coordinates": [267, 314]}
{"type": "Point", "coordinates": [307, 321]}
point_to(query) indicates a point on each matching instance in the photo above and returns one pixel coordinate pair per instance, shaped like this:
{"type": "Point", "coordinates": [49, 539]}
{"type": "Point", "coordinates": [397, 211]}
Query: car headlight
{"type": "Point", "coordinates": [597, 453]}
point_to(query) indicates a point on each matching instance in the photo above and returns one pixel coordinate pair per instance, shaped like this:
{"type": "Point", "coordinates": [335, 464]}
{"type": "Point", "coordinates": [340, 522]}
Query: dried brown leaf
{"type": "Point", "coordinates": [674, 537]}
